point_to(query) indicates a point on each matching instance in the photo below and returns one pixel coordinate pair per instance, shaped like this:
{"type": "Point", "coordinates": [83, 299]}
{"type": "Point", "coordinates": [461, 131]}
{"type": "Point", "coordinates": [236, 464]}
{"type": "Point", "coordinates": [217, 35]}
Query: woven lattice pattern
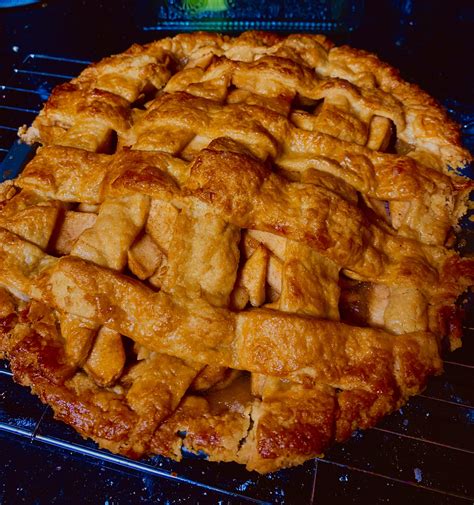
{"type": "Point", "coordinates": [235, 245]}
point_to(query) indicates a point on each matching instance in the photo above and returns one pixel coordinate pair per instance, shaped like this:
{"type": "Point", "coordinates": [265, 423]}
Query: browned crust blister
{"type": "Point", "coordinates": [233, 245]}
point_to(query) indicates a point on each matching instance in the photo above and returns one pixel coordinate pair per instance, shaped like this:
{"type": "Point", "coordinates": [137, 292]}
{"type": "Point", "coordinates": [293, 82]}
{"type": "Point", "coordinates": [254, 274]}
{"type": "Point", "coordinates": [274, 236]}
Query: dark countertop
{"type": "Point", "coordinates": [433, 46]}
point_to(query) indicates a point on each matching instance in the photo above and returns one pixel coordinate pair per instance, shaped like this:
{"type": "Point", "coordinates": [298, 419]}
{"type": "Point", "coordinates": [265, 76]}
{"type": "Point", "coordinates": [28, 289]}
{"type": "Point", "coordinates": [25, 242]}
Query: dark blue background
{"type": "Point", "coordinates": [431, 42]}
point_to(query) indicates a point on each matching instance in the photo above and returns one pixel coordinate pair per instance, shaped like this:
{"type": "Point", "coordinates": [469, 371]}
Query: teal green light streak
{"type": "Point", "coordinates": [200, 6]}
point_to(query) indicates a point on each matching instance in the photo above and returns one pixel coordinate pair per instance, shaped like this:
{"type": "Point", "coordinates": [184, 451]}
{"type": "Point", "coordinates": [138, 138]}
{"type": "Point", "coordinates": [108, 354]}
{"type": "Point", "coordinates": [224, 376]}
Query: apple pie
{"type": "Point", "coordinates": [241, 246]}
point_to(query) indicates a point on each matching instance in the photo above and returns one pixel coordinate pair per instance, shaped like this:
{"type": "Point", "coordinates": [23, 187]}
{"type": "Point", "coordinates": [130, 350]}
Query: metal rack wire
{"type": "Point", "coordinates": [423, 452]}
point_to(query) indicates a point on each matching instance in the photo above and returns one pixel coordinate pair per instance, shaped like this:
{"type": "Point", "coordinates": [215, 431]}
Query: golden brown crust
{"type": "Point", "coordinates": [234, 246]}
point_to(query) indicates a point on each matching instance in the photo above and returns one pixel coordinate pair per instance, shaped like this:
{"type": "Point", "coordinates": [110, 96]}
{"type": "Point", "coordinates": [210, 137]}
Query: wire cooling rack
{"type": "Point", "coordinates": [423, 453]}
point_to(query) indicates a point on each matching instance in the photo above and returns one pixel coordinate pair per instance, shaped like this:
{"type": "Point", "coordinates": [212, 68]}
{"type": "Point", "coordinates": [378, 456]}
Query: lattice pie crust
{"type": "Point", "coordinates": [234, 245]}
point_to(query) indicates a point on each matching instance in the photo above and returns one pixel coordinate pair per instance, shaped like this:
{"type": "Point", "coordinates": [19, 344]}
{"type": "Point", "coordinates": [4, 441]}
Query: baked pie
{"type": "Point", "coordinates": [241, 246]}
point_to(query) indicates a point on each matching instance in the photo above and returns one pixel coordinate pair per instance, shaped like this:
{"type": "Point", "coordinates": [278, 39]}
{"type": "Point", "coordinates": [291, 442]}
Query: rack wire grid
{"type": "Point", "coordinates": [423, 453]}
